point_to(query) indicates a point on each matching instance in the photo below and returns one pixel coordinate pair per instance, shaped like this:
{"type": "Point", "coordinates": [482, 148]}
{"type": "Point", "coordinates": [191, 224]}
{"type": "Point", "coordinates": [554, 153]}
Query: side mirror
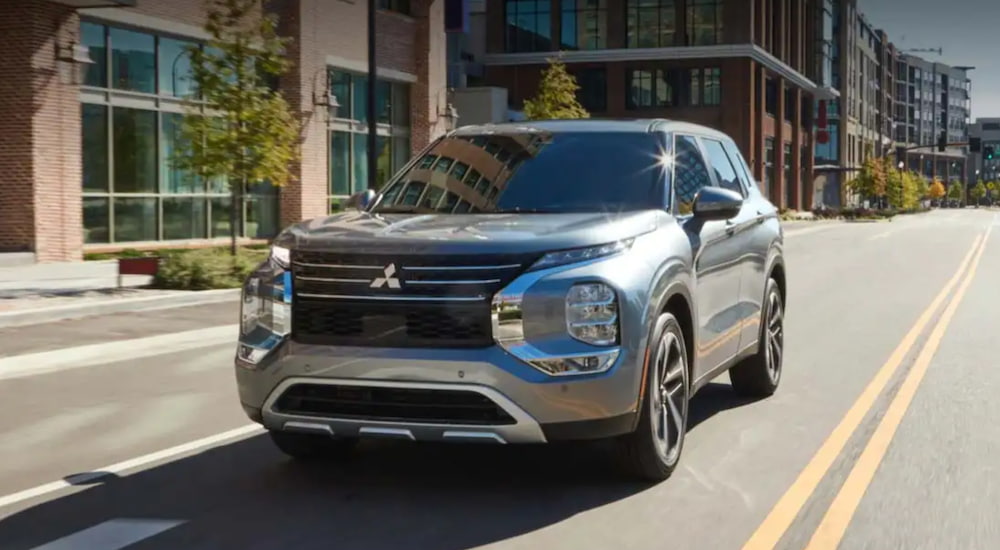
{"type": "Point", "coordinates": [361, 200]}
{"type": "Point", "coordinates": [715, 203]}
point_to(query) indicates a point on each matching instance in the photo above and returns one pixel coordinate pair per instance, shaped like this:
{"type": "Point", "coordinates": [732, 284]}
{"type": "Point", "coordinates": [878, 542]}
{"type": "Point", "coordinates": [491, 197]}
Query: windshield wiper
{"type": "Point", "coordinates": [521, 210]}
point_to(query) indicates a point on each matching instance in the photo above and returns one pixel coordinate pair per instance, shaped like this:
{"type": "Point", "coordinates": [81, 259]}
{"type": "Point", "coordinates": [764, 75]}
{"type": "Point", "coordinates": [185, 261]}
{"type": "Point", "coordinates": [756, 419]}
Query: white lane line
{"type": "Point", "coordinates": [109, 352]}
{"type": "Point", "coordinates": [112, 534]}
{"type": "Point", "coordinates": [880, 235]}
{"type": "Point", "coordinates": [124, 466]}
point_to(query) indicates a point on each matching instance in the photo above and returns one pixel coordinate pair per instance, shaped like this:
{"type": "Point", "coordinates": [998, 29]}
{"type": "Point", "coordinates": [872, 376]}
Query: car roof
{"type": "Point", "coordinates": [592, 125]}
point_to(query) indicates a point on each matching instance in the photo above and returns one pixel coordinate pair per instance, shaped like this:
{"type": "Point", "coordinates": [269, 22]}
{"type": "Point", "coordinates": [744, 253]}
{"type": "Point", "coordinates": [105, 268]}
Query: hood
{"type": "Point", "coordinates": [465, 233]}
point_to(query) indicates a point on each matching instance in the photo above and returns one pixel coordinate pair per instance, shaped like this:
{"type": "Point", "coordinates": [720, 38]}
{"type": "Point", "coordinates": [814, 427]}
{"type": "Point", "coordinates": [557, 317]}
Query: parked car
{"type": "Point", "coordinates": [522, 283]}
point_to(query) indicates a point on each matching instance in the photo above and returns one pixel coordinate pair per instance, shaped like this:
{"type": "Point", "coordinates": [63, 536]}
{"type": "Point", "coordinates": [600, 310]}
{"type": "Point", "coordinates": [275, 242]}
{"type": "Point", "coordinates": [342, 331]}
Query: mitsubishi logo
{"type": "Point", "coordinates": [389, 279]}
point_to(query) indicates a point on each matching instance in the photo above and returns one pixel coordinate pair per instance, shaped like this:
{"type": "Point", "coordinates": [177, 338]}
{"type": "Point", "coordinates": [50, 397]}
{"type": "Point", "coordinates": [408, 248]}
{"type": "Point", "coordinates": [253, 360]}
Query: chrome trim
{"type": "Point", "coordinates": [328, 280]}
{"type": "Point", "coordinates": [610, 321]}
{"type": "Point", "coordinates": [461, 268]}
{"type": "Point", "coordinates": [510, 335]}
{"type": "Point", "coordinates": [402, 298]}
{"type": "Point", "coordinates": [393, 433]}
{"type": "Point", "coordinates": [467, 282]}
{"type": "Point", "coordinates": [311, 427]}
{"type": "Point", "coordinates": [473, 436]}
{"type": "Point", "coordinates": [524, 430]}
{"type": "Point", "coordinates": [335, 266]}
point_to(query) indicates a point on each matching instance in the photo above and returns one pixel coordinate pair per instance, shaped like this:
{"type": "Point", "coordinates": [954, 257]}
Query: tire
{"type": "Point", "coordinates": [309, 447]}
{"type": "Point", "coordinates": [760, 374]}
{"type": "Point", "coordinates": [653, 450]}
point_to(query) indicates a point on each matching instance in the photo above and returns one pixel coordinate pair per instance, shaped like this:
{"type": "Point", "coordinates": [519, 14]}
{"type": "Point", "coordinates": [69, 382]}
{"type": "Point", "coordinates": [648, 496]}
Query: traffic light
{"type": "Point", "coordinates": [988, 152]}
{"type": "Point", "coordinates": [942, 143]}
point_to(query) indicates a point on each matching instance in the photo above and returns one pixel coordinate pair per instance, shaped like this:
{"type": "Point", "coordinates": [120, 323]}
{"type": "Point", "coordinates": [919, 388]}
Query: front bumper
{"type": "Point", "coordinates": [542, 410]}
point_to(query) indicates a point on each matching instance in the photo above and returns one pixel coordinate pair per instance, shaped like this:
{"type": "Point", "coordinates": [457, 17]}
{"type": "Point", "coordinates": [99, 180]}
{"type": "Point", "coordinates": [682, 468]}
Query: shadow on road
{"type": "Point", "coordinates": [391, 495]}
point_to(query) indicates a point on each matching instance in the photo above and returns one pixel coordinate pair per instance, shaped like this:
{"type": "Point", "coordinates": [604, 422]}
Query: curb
{"type": "Point", "coordinates": [119, 305]}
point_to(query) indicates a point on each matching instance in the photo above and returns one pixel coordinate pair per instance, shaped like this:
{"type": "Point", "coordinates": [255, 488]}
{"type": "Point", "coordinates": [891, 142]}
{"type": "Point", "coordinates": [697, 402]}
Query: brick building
{"type": "Point", "coordinates": [84, 147]}
{"type": "Point", "coordinates": [751, 69]}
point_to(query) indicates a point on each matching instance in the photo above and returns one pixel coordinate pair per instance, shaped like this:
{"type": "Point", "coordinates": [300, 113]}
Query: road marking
{"type": "Point", "coordinates": [788, 506]}
{"type": "Point", "coordinates": [880, 235]}
{"type": "Point", "coordinates": [112, 534]}
{"type": "Point", "coordinates": [30, 364]}
{"type": "Point", "coordinates": [124, 466]}
{"type": "Point", "coordinates": [834, 524]}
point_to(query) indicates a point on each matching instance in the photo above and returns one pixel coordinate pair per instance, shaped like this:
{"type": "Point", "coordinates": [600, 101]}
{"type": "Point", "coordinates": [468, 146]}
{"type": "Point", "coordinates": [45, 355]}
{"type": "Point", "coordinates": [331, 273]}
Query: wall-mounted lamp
{"type": "Point", "coordinates": [449, 114]}
{"type": "Point", "coordinates": [79, 56]}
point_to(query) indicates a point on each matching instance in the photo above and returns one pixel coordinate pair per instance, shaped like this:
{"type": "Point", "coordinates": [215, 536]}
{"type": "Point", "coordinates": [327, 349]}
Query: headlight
{"type": "Point", "coordinates": [281, 256]}
{"type": "Point", "coordinates": [265, 313]}
{"type": "Point", "coordinates": [564, 257]}
{"type": "Point", "coordinates": [592, 314]}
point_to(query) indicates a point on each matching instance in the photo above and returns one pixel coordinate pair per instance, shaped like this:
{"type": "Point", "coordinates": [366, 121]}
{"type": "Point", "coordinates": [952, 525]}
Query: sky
{"type": "Point", "coordinates": [965, 29]}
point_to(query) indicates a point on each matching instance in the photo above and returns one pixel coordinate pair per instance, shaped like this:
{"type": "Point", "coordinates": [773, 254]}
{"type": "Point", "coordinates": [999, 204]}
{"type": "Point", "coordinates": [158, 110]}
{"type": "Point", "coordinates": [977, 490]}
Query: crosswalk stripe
{"type": "Point", "coordinates": [112, 534]}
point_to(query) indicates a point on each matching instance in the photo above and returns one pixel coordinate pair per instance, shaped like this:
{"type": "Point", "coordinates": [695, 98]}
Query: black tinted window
{"type": "Point", "coordinates": [690, 173]}
{"type": "Point", "coordinates": [725, 172]}
{"type": "Point", "coordinates": [534, 171]}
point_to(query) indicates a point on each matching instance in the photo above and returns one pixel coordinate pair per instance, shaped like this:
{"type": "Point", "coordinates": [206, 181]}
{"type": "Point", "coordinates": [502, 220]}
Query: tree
{"type": "Point", "coordinates": [955, 190]}
{"type": "Point", "coordinates": [871, 181]}
{"type": "Point", "coordinates": [895, 188]}
{"type": "Point", "coordinates": [936, 190]}
{"type": "Point", "coordinates": [242, 132]}
{"type": "Point", "coordinates": [922, 188]}
{"type": "Point", "coordinates": [978, 192]}
{"type": "Point", "coordinates": [556, 97]}
{"type": "Point", "coordinates": [991, 188]}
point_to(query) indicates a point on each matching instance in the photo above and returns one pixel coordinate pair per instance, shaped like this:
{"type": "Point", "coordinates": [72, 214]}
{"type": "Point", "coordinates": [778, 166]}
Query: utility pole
{"type": "Point", "coordinates": [372, 114]}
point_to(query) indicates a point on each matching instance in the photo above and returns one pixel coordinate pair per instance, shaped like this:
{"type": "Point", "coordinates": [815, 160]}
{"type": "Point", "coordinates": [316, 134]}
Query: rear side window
{"type": "Point", "coordinates": [725, 172]}
{"type": "Point", "coordinates": [743, 169]}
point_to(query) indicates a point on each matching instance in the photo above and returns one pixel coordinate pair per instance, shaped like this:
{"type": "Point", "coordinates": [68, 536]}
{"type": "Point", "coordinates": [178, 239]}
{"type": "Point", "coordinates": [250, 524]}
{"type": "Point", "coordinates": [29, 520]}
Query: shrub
{"type": "Point", "coordinates": [206, 268]}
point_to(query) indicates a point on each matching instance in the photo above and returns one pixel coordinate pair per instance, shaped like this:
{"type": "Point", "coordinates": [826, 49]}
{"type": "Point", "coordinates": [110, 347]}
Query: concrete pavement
{"type": "Point", "coordinates": [855, 290]}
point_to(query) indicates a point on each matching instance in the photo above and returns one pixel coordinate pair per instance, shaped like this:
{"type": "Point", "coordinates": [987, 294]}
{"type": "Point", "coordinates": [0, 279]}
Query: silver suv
{"type": "Point", "coordinates": [522, 283]}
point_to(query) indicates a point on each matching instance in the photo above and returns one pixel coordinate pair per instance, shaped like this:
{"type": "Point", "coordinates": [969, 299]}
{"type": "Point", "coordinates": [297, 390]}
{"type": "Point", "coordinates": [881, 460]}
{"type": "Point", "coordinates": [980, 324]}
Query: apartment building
{"type": "Point", "coordinates": [92, 91]}
{"type": "Point", "coordinates": [750, 69]}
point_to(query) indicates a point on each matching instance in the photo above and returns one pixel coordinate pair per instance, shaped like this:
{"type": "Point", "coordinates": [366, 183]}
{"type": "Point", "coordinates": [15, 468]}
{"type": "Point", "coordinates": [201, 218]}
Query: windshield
{"type": "Point", "coordinates": [532, 172]}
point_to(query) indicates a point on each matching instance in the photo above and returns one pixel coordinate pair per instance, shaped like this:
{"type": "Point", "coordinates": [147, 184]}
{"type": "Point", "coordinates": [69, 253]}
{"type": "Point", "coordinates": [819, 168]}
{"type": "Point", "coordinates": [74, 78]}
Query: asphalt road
{"type": "Point", "coordinates": [99, 454]}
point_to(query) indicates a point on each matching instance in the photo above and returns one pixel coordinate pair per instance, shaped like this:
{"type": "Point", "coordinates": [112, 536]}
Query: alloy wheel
{"type": "Point", "coordinates": [774, 336]}
{"type": "Point", "coordinates": [670, 399]}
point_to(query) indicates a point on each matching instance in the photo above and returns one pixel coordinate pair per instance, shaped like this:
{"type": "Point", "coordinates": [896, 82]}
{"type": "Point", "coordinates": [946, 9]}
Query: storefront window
{"type": "Point", "coordinates": [132, 189]}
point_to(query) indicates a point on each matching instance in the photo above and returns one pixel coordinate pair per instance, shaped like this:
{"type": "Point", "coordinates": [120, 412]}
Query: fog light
{"type": "Point", "coordinates": [582, 364]}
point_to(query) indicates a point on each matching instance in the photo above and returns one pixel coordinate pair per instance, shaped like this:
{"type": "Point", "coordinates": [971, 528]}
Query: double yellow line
{"type": "Point", "coordinates": [833, 525]}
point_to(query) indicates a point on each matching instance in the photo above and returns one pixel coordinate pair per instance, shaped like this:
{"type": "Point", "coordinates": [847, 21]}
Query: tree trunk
{"type": "Point", "coordinates": [236, 202]}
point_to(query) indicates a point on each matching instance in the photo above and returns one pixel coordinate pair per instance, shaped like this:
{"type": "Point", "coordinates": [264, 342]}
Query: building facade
{"type": "Point", "coordinates": [980, 168]}
{"type": "Point", "coordinates": [86, 139]}
{"type": "Point", "coordinates": [748, 69]}
{"type": "Point", "coordinates": [933, 98]}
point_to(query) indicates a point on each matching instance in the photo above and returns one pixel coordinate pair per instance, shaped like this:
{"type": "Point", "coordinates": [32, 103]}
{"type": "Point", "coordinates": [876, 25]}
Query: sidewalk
{"type": "Point", "coordinates": [39, 293]}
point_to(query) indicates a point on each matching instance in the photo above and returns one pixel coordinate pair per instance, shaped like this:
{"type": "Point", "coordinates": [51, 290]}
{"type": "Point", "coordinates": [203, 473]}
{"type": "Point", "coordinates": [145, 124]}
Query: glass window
{"type": "Point", "coordinates": [593, 92]}
{"type": "Point", "coordinates": [95, 220]}
{"type": "Point", "coordinates": [340, 87]}
{"type": "Point", "coordinates": [184, 218]}
{"type": "Point", "coordinates": [173, 179]}
{"type": "Point", "coordinates": [584, 24]}
{"type": "Point", "coordinates": [133, 61]}
{"type": "Point", "coordinates": [384, 160]}
{"type": "Point", "coordinates": [690, 173]}
{"type": "Point", "coordinates": [529, 25]}
{"type": "Point", "coordinates": [94, 130]}
{"type": "Point", "coordinates": [459, 171]}
{"type": "Point", "coordinates": [360, 159]}
{"type": "Point", "coordinates": [401, 6]}
{"type": "Point", "coordinates": [340, 163]}
{"type": "Point", "coordinates": [725, 172]}
{"type": "Point", "coordinates": [443, 165]}
{"type": "Point", "coordinates": [400, 152]}
{"type": "Point", "coordinates": [135, 219]}
{"type": "Point", "coordinates": [134, 133]}
{"type": "Point", "coordinates": [560, 172]}
{"type": "Point", "coordinates": [176, 78]}
{"type": "Point", "coordinates": [712, 86]}
{"type": "Point", "coordinates": [651, 88]}
{"type": "Point", "coordinates": [92, 36]}
{"type": "Point", "coordinates": [261, 216]}
{"type": "Point", "coordinates": [383, 93]}
{"type": "Point", "coordinates": [359, 98]}
{"type": "Point", "coordinates": [220, 225]}
{"type": "Point", "coordinates": [401, 105]}
{"type": "Point", "coordinates": [651, 23]}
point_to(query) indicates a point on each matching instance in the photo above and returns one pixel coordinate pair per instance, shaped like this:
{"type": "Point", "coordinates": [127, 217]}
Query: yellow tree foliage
{"type": "Point", "coordinates": [556, 97]}
{"type": "Point", "coordinates": [936, 190]}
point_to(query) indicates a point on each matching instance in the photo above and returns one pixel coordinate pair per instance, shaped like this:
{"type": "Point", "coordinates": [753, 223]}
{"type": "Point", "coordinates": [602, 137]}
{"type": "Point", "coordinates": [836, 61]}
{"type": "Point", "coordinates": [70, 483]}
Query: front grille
{"type": "Point", "coordinates": [399, 301]}
{"type": "Point", "coordinates": [417, 405]}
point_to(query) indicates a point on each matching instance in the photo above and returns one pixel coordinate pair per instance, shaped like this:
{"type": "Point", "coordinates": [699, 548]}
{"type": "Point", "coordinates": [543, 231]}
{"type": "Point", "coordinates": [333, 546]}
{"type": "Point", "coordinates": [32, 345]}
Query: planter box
{"type": "Point", "coordinates": [137, 266]}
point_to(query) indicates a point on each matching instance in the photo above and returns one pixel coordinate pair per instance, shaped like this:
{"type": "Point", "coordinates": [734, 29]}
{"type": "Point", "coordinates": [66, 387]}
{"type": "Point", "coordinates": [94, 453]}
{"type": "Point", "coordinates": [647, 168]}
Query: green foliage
{"type": "Point", "coordinates": [978, 192]}
{"type": "Point", "coordinates": [955, 190]}
{"type": "Point", "coordinates": [242, 130]}
{"type": "Point", "coordinates": [556, 97]}
{"type": "Point", "coordinates": [206, 268]}
{"type": "Point", "coordinates": [923, 188]}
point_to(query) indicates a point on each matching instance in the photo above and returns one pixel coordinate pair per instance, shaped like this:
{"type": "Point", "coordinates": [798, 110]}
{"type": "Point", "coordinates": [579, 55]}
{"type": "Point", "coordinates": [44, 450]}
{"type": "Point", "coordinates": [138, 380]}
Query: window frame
{"type": "Point", "coordinates": [536, 14]}
{"type": "Point", "coordinates": [575, 9]}
{"type": "Point", "coordinates": [633, 8]}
